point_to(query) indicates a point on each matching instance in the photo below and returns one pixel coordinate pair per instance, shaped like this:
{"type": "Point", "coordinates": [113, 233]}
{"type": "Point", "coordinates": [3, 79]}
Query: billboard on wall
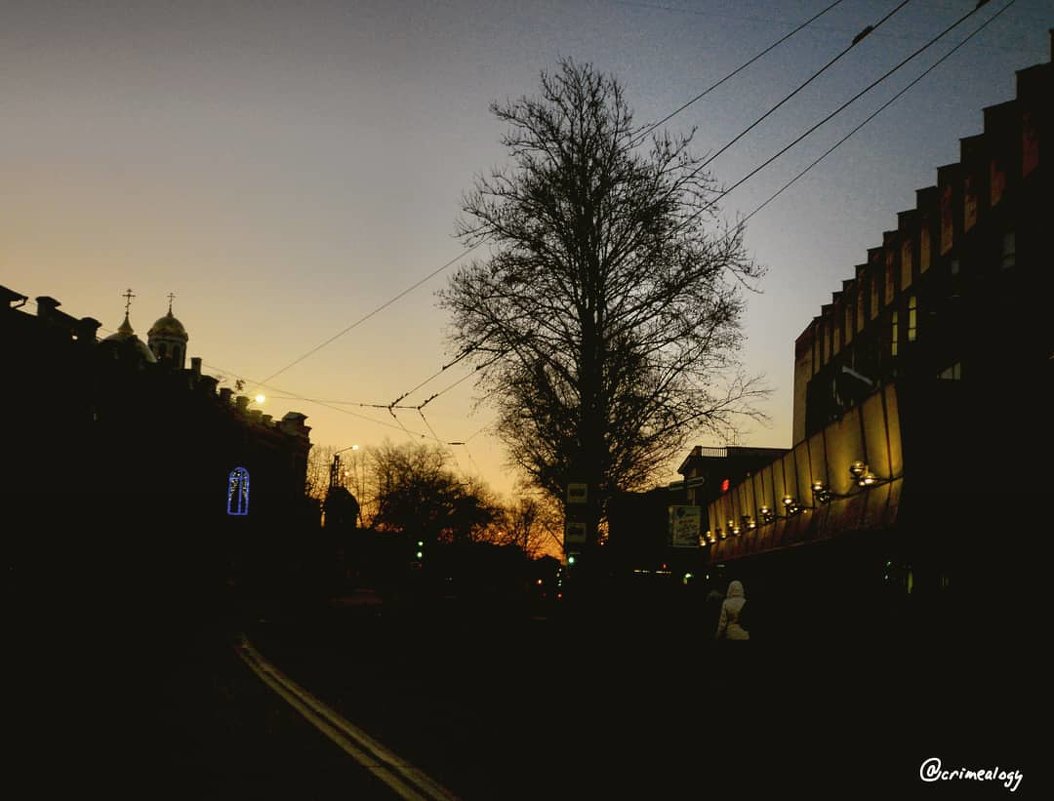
{"type": "Point", "coordinates": [685, 526]}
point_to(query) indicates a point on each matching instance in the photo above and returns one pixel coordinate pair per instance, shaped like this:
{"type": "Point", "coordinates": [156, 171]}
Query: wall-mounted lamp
{"type": "Point", "coordinates": [747, 522]}
{"type": "Point", "coordinates": [766, 514]}
{"type": "Point", "coordinates": [862, 475]}
{"type": "Point", "coordinates": [791, 504]}
{"type": "Point", "coordinates": [821, 493]}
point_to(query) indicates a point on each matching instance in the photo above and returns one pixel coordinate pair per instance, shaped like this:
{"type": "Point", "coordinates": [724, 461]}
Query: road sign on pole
{"type": "Point", "coordinates": [574, 533]}
{"type": "Point", "coordinates": [577, 492]}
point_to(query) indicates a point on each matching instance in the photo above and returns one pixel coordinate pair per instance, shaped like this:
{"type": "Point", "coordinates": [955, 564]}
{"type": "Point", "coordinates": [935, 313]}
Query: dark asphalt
{"type": "Point", "coordinates": [507, 708]}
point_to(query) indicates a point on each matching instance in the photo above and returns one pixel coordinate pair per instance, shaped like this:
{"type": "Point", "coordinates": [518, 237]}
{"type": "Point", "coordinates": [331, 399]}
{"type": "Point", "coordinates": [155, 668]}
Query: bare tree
{"type": "Point", "coordinates": [605, 323]}
{"type": "Point", "coordinates": [319, 463]}
{"type": "Point", "coordinates": [532, 523]}
{"type": "Point", "coordinates": [414, 491]}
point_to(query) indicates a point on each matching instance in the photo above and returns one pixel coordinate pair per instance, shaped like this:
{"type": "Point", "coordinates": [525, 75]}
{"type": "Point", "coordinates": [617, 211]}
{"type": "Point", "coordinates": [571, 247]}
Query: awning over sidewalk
{"type": "Point", "coordinates": [847, 478]}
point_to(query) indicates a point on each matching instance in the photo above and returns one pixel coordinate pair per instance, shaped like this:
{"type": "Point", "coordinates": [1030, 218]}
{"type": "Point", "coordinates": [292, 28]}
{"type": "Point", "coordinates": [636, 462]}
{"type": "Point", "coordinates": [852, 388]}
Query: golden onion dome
{"type": "Point", "coordinates": [167, 326]}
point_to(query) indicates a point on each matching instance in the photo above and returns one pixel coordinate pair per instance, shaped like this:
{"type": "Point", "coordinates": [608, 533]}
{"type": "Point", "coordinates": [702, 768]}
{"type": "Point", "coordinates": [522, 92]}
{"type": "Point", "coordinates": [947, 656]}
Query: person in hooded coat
{"type": "Point", "coordinates": [730, 620]}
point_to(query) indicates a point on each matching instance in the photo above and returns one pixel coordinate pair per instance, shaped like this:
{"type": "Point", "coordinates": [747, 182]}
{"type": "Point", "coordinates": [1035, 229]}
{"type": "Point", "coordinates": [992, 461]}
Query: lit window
{"type": "Point", "coordinates": [953, 373]}
{"type": "Point", "coordinates": [238, 492]}
{"type": "Point", "coordinates": [1009, 255]}
{"type": "Point", "coordinates": [913, 316]}
{"type": "Point", "coordinates": [894, 332]}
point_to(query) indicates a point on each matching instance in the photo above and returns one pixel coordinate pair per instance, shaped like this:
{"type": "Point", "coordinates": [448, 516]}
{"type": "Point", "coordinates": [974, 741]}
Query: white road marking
{"type": "Point", "coordinates": [404, 779]}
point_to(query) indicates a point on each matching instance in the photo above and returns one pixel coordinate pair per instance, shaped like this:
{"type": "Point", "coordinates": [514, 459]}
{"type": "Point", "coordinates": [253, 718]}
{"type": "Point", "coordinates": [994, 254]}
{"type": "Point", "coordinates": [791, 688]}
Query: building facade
{"type": "Point", "coordinates": [922, 393]}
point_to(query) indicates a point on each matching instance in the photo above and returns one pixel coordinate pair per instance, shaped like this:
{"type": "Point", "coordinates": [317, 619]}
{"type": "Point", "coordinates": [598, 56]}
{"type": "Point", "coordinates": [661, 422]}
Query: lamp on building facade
{"type": "Point", "coordinates": [821, 493]}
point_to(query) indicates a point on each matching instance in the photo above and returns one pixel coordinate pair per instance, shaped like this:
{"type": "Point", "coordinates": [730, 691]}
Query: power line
{"type": "Point", "coordinates": [856, 40]}
{"type": "Point", "coordinates": [732, 74]}
{"type": "Point", "coordinates": [878, 111]}
{"type": "Point", "coordinates": [293, 395]}
{"type": "Point", "coordinates": [688, 220]}
{"type": "Point", "coordinates": [380, 308]}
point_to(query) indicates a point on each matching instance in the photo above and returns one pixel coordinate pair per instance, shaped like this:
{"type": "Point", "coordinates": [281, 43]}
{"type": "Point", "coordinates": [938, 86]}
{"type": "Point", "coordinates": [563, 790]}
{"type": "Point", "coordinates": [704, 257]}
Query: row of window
{"type": "Point", "coordinates": [829, 337]}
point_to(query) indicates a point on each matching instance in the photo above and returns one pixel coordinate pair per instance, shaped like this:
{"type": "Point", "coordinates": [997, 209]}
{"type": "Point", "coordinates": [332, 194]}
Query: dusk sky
{"type": "Point", "coordinates": [285, 168]}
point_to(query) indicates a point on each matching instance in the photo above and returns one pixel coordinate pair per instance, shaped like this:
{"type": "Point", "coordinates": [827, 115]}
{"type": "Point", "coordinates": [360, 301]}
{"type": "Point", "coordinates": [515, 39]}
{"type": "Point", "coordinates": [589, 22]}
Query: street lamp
{"type": "Point", "coordinates": [334, 469]}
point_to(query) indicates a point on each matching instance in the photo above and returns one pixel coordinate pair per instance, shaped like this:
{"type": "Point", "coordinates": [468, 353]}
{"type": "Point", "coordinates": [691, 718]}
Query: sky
{"type": "Point", "coordinates": [286, 169]}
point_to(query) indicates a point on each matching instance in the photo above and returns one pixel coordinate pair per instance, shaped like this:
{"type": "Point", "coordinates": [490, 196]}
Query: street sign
{"type": "Point", "coordinates": [577, 492]}
{"type": "Point", "coordinates": [685, 526]}
{"type": "Point", "coordinates": [574, 533]}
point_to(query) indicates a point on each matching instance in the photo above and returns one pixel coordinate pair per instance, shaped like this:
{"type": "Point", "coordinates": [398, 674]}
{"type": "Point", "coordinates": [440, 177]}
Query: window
{"type": "Point", "coordinates": [894, 333]}
{"type": "Point", "coordinates": [913, 318]}
{"type": "Point", "coordinates": [1009, 254]}
{"type": "Point", "coordinates": [924, 248]}
{"type": "Point", "coordinates": [238, 492]}
{"type": "Point", "coordinates": [953, 373]}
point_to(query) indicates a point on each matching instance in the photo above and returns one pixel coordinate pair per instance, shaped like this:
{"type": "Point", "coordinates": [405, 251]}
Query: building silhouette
{"type": "Point", "coordinates": [133, 485]}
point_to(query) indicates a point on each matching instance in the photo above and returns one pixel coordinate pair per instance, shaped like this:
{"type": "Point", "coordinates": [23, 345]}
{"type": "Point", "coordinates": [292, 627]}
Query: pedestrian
{"type": "Point", "coordinates": [712, 606]}
{"type": "Point", "coordinates": [731, 619]}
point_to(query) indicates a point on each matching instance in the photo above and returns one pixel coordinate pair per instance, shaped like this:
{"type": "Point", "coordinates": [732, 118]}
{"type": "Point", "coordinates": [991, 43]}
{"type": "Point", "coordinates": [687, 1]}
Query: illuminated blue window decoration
{"type": "Point", "coordinates": [238, 492]}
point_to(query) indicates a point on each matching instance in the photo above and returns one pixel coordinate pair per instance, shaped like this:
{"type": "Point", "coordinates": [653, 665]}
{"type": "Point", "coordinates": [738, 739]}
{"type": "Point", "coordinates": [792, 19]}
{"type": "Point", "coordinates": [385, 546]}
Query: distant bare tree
{"type": "Point", "coordinates": [319, 461]}
{"type": "Point", "coordinates": [414, 491]}
{"type": "Point", "coordinates": [532, 523]}
{"type": "Point", "coordinates": [605, 323]}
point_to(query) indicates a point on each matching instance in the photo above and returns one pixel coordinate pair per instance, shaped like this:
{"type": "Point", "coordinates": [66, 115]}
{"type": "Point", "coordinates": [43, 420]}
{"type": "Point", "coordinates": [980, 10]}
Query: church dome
{"type": "Point", "coordinates": [167, 338]}
{"type": "Point", "coordinates": [124, 340]}
{"type": "Point", "coordinates": [168, 326]}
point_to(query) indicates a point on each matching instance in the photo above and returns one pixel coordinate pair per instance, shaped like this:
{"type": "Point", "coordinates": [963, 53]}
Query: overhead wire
{"type": "Point", "coordinates": [878, 111]}
{"type": "Point", "coordinates": [863, 34]}
{"type": "Point", "coordinates": [733, 73]}
{"type": "Point", "coordinates": [376, 311]}
{"type": "Point", "coordinates": [725, 192]}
